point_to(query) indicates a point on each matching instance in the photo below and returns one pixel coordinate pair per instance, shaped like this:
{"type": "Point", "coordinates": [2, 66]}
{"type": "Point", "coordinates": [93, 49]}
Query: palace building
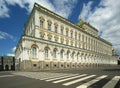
{"type": "Point", "coordinates": [53, 42]}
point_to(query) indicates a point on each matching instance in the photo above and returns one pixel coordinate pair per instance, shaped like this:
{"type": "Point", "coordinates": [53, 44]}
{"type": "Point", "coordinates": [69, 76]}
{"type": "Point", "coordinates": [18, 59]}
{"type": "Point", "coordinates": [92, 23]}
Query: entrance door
{"type": "Point", "coordinates": [6, 67]}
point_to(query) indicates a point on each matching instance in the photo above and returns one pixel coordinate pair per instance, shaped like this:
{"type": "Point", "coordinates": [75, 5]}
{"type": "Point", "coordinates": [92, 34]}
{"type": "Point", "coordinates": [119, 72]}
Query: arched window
{"type": "Point", "coordinates": [56, 28]}
{"type": "Point", "coordinates": [73, 55]}
{"type": "Point", "coordinates": [68, 54]}
{"type": "Point", "coordinates": [34, 52]}
{"type": "Point", "coordinates": [54, 53]}
{"type": "Point", "coordinates": [46, 53]}
{"type": "Point", "coordinates": [61, 54]}
{"type": "Point", "coordinates": [42, 22]}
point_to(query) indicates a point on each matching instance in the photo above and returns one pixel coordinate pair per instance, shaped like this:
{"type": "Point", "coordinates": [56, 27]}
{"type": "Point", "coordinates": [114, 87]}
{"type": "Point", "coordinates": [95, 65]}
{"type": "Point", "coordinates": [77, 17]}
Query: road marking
{"type": "Point", "coordinates": [61, 77]}
{"type": "Point", "coordinates": [112, 82]}
{"type": "Point", "coordinates": [69, 78]}
{"type": "Point", "coordinates": [78, 80]}
{"type": "Point", "coordinates": [6, 76]}
{"type": "Point", "coordinates": [85, 85]}
{"type": "Point", "coordinates": [46, 78]}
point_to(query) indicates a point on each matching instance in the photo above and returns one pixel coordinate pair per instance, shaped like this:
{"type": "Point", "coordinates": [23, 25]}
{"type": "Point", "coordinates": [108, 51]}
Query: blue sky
{"type": "Point", "coordinates": [102, 14]}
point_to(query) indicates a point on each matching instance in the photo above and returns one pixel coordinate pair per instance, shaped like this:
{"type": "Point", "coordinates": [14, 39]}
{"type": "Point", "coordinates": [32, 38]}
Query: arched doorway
{"type": "Point", "coordinates": [6, 67]}
{"type": "Point", "coordinates": [0, 67]}
{"type": "Point", "coordinates": [12, 67]}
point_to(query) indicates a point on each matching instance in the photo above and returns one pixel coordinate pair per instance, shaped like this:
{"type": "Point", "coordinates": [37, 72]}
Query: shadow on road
{"type": "Point", "coordinates": [117, 69]}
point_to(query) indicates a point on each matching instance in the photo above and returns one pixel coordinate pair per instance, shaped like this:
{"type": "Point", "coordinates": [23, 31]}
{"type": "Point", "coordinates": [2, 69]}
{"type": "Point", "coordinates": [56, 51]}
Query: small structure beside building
{"type": "Point", "coordinates": [7, 63]}
{"type": "Point", "coordinates": [119, 61]}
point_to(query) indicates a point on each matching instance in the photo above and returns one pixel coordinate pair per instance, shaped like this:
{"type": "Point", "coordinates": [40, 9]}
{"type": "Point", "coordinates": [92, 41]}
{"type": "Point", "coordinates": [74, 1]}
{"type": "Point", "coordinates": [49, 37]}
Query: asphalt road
{"type": "Point", "coordinates": [105, 77]}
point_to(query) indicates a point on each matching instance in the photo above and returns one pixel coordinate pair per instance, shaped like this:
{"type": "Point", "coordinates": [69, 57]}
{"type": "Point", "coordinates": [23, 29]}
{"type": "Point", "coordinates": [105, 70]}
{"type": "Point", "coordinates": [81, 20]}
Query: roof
{"type": "Point", "coordinates": [77, 26]}
{"type": "Point", "coordinates": [81, 22]}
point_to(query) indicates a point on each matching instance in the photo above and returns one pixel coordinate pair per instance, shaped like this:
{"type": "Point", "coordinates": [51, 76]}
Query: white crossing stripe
{"type": "Point", "coordinates": [6, 76]}
{"type": "Point", "coordinates": [69, 78]}
{"type": "Point", "coordinates": [61, 77]}
{"type": "Point", "coordinates": [51, 77]}
{"type": "Point", "coordinates": [112, 82]}
{"type": "Point", "coordinates": [78, 80]}
{"type": "Point", "coordinates": [85, 85]}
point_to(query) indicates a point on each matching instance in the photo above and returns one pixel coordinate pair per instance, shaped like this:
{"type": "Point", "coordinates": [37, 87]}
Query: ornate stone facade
{"type": "Point", "coordinates": [52, 42]}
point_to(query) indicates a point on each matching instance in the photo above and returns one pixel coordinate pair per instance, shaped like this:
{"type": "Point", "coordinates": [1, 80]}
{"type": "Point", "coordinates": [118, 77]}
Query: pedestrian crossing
{"type": "Point", "coordinates": [85, 85]}
{"type": "Point", "coordinates": [70, 79]}
{"type": "Point", "coordinates": [112, 82]}
{"type": "Point", "coordinates": [61, 77]}
{"type": "Point", "coordinates": [78, 80]}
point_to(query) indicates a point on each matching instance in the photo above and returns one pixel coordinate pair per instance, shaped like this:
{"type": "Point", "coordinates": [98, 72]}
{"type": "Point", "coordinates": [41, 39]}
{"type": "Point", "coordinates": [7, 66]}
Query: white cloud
{"type": "Point", "coordinates": [4, 35]}
{"type": "Point", "coordinates": [61, 7]}
{"type": "Point", "coordinates": [3, 9]}
{"type": "Point", "coordinates": [86, 10]}
{"type": "Point", "coordinates": [64, 7]}
{"type": "Point", "coordinates": [10, 54]}
{"type": "Point", "coordinates": [13, 49]}
{"type": "Point", "coordinates": [105, 17]}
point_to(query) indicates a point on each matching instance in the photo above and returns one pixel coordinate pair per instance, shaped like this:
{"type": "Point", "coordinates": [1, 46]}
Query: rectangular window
{"type": "Point", "coordinates": [34, 52]}
{"type": "Point", "coordinates": [62, 30]}
{"type": "Point", "coordinates": [67, 42]}
{"type": "Point", "coordinates": [67, 32]}
{"type": "Point", "coordinates": [41, 23]}
{"type": "Point", "coordinates": [76, 35]}
{"type": "Point", "coordinates": [61, 40]}
{"type": "Point", "coordinates": [75, 44]}
{"type": "Point", "coordinates": [83, 38]}
{"type": "Point", "coordinates": [71, 34]}
{"type": "Point", "coordinates": [49, 26]}
{"type": "Point", "coordinates": [89, 40]}
{"type": "Point", "coordinates": [86, 39]}
{"type": "Point", "coordinates": [79, 45]}
{"type": "Point", "coordinates": [56, 29]}
{"type": "Point", "coordinates": [46, 53]}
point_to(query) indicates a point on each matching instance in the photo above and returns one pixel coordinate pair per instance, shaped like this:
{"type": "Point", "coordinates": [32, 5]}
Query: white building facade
{"type": "Point", "coordinates": [52, 42]}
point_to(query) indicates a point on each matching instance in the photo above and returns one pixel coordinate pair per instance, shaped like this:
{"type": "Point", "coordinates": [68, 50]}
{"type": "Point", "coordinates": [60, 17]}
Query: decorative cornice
{"type": "Point", "coordinates": [39, 40]}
